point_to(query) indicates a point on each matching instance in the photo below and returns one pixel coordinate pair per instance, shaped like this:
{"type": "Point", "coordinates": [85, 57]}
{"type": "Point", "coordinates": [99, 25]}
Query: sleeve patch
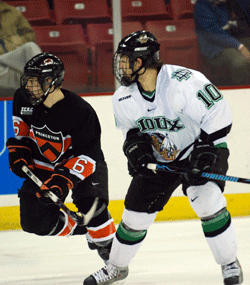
{"type": "Point", "coordinates": [81, 166]}
{"type": "Point", "coordinates": [21, 129]}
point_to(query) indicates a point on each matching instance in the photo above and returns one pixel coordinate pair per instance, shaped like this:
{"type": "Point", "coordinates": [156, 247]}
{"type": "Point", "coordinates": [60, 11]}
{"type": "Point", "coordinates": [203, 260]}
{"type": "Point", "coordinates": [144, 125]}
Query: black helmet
{"type": "Point", "coordinates": [142, 44]}
{"type": "Point", "coordinates": [48, 69]}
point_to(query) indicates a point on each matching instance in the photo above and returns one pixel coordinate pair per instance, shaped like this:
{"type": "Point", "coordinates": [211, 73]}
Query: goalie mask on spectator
{"type": "Point", "coordinates": [42, 75]}
{"type": "Point", "coordinates": [140, 44]}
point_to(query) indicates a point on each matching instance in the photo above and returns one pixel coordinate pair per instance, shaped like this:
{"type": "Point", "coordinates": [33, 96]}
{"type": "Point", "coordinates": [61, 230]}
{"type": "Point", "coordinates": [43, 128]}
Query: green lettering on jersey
{"type": "Point", "coordinates": [181, 74]}
{"type": "Point", "coordinates": [159, 123]}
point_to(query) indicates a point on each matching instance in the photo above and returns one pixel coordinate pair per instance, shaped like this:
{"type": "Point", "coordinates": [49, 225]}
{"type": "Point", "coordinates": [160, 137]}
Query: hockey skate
{"type": "Point", "coordinates": [109, 274]}
{"type": "Point", "coordinates": [232, 273]}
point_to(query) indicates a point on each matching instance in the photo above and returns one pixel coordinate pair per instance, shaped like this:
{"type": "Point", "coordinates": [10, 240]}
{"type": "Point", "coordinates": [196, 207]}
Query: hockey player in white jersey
{"type": "Point", "coordinates": [172, 115]}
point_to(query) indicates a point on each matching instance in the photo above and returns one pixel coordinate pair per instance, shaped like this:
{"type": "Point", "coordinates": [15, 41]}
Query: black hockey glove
{"type": "Point", "coordinates": [205, 158]}
{"type": "Point", "coordinates": [19, 155]}
{"type": "Point", "coordinates": [138, 150]}
{"type": "Point", "coordinates": [60, 182]}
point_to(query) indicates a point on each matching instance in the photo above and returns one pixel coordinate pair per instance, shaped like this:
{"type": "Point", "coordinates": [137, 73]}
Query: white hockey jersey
{"type": "Point", "coordinates": [186, 107]}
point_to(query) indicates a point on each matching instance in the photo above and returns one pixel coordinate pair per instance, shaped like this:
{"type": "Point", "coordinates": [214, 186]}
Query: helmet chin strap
{"type": "Point", "coordinates": [46, 93]}
{"type": "Point", "coordinates": [44, 96]}
{"type": "Point", "coordinates": [126, 81]}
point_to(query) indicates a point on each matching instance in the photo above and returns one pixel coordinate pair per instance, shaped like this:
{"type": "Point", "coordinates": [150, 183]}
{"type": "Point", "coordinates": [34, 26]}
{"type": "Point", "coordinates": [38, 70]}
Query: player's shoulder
{"type": "Point", "coordinates": [74, 100]}
{"type": "Point", "coordinates": [181, 81]}
{"type": "Point", "coordinates": [180, 75]}
{"type": "Point", "coordinates": [182, 84]}
{"type": "Point", "coordinates": [124, 93]}
{"type": "Point", "coordinates": [18, 99]}
{"type": "Point", "coordinates": [75, 106]}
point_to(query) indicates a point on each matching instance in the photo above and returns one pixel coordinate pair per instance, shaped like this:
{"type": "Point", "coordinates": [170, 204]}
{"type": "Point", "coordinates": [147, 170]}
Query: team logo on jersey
{"type": "Point", "coordinates": [181, 74]}
{"type": "Point", "coordinates": [166, 147]}
{"type": "Point", "coordinates": [159, 123]}
{"type": "Point", "coordinates": [49, 143]}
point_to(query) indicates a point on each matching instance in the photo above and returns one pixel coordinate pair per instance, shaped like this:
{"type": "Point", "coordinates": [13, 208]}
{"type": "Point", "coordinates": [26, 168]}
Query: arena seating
{"type": "Point", "coordinates": [36, 12]}
{"type": "Point", "coordinates": [79, 11]}
{"type": "Point", "coordinates": [68, 42]}
{"type": "Point", "coordinates": [144, 10]}
{"type": "Point", "coordinates": [87, 50]}
{"type": "Point", "coordinates": [178, 42]}
{"type": "Point", "coordinates": [101, 43]}
{"type": "Point", "coordinates": [182, 9]}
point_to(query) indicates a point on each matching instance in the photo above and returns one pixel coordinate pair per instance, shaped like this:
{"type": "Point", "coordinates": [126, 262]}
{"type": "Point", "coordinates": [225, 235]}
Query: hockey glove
{"type": "Point", "coordinates": [138, 150]}
{"type": "Point", "coordinates": [19, 155]}
{"type": "Point", "coordinates": [60, 182]}
{"type": "Point", "coordinates": [205, 158]}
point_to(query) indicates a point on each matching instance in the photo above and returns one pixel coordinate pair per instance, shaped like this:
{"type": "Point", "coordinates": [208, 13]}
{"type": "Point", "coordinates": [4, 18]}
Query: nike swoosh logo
{"type": "Point", "coordinates": [149, 110]}
{"type": "Point", "coordinates": [93, 183]}
{"type": "Point", "coordinates": [192, 200]}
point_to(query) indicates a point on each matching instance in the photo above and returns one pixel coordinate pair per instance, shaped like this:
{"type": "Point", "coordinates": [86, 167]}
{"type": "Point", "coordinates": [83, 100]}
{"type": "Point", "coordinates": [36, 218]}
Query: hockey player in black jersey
{"type": "Point", "coordinates": [57, 135]}
{"type": "Point", "coordinates": [172, 115]}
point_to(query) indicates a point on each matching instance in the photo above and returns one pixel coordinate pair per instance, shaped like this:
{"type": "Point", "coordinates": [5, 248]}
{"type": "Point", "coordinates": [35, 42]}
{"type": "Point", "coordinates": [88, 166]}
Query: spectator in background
{"type": "Point", "coordinates": [222, 43]}
{"type": "Point", "coordinates": [245, 7]}
{"type": "Point", "coordinates": [17, 46]}
{"type": "Point", "coordinates": [239, 17]}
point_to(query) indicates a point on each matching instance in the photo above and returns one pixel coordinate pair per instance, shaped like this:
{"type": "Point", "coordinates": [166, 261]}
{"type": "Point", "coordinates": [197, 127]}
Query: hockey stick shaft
{"type": "Point", "coordinates": [213, 176]}
{"type": "Point", "coordinates": [80, 218]}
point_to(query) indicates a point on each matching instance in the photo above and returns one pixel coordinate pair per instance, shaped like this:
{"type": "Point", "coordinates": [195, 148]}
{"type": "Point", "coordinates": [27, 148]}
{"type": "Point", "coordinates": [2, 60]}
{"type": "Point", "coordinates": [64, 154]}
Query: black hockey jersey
{"type": "Point", "coordinates": [68, 133]}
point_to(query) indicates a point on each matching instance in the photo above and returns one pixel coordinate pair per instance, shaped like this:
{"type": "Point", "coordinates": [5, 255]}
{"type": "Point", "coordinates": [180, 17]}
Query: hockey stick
{"type": "Point", "coordinates": [214, 176]}
{"type": "Point", "coordinates": [80, 218]}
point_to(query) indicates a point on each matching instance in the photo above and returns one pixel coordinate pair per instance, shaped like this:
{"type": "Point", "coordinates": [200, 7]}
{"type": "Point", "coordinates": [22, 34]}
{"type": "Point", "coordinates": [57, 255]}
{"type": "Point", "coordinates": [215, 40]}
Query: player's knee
{"type": "Point", "coordinates": [137, 220]}
{"type": "Point", "coordinates": [217, 223]}
{"type": "Point", "coordinates": [207, 199]}
{"type": "Point", "coordinates": [133, 227]}
{"type": "Point", "coordinates": [126, 235]}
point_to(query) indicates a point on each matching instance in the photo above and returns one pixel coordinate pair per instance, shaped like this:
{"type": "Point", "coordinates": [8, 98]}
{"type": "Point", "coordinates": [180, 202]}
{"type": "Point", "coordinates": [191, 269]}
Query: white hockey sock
{"type": "Point", "coordinates": [224, 246]}
{"type": "Point", "coordinates": [121, 254]}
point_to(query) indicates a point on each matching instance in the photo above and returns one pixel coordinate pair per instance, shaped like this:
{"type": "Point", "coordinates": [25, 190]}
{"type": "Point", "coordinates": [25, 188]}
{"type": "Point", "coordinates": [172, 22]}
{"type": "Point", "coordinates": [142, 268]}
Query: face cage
{"type": "Point", "coordinates": [127, 80]}
{"type": "Point", "coordinates": [124, 79]}
{"type": "Point", "coordinates": [36, 96]}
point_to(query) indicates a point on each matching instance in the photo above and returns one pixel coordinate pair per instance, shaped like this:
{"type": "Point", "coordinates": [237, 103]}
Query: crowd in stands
{"type": "Point", "coordinates": [211, 36]}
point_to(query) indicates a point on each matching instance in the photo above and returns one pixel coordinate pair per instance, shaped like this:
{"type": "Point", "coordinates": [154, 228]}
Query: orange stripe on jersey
{"type": "Point", "coordinates": [82, 167]}
{"type": "Point", "coordinates": [104, 232]}
{"type": "Point", "coordinates": [21, 128]}
{"type": "Point", "coordinates": [69, 228]}
{"type": "Point", "coordinates": [67, 144]}
{"type": "Point", "coordinates": [43, 167]}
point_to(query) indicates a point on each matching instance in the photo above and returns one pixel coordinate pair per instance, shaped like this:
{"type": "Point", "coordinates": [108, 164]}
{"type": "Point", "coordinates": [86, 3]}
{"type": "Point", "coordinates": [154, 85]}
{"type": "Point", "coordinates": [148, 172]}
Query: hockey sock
{"type": "Point", "coordinates": [220, 236]}
{"type": "Point", "coordinates": [216, 224]}
{"type": "Point", "coordinates": [101, 228]}
{"type": "Point", "coordinates": [125, 245]}
{"type": "Point", "coordinates": [128, 236]}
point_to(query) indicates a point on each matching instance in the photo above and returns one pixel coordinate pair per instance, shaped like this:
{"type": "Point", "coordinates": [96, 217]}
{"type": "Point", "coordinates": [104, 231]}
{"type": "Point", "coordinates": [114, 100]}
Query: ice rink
{"type": "Point", "coordinates": [173, 253]}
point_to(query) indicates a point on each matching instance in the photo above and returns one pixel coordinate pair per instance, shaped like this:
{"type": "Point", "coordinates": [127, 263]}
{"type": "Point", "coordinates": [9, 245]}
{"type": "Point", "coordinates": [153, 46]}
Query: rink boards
{"type": "Point", "coordinates": [178, 208]}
